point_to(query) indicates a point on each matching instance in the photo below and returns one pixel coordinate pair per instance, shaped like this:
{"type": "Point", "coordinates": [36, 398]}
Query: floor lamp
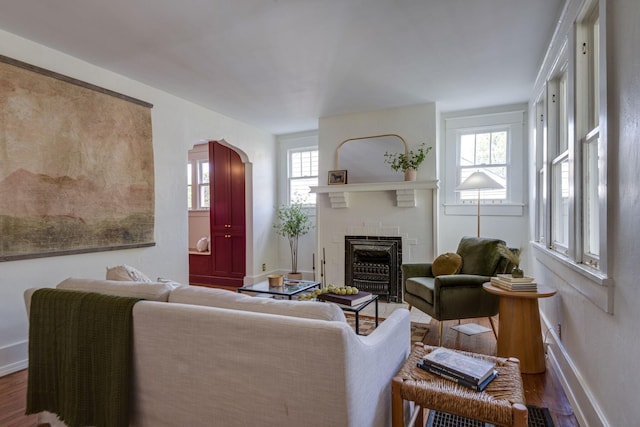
{"type": "Point", "coordinates": [479, 181]}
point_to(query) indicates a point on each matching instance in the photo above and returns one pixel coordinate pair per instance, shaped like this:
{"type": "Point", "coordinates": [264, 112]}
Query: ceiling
{"type": "Point", "coordinates": [282, 64]}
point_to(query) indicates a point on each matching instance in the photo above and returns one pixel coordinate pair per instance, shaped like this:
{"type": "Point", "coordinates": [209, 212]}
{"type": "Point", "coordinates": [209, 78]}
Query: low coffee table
{"type": "Point", "coordinates": [356, 309]}
{"type": "Point", "coordinates": [287, 290]}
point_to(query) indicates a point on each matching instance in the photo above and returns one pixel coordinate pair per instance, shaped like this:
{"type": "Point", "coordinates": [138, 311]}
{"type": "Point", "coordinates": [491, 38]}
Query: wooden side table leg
{"type": "Point", "coordinates": [397, 405]}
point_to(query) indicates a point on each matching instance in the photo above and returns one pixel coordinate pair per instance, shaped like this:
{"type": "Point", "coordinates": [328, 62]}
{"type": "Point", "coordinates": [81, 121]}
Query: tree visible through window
{"type": "Point", "coordinates": [485, 151]}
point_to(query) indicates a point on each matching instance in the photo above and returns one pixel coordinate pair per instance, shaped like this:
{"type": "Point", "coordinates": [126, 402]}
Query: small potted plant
{"type": "Point", "coordinates": [407, 163]}
{"type": "Point", "coordinates": [513, 256]}
{"type": "Point", "coordinates": [293, 222]}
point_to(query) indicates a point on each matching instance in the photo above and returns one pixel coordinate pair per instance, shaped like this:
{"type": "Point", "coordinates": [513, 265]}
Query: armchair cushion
{"type": "Point", "coordinates": [480, 256]}
{"type": "Point", "coordinates": [422, 287]}
{"type": "Point", "coordinates": [447, 263]}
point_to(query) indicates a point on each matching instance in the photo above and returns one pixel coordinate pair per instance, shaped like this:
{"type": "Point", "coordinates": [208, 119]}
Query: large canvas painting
{"type": "Point", "coordinates": [76, 166]}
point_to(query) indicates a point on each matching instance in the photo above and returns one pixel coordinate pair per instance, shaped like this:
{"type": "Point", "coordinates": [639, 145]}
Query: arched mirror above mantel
{"type": "Point", "coordinates": [363, 158]}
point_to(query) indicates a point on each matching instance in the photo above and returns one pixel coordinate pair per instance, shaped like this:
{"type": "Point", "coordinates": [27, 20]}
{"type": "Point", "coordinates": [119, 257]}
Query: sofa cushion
{"type": "Point", "coordinates": [149, 291]}
{"type": "Point", "coordinates": [197, 295]}
{"type": "Point", "coordinates": [421, 287]}
{"type": "Point", "coordinates": [480, 255]}
{"type": "Point", "coordinates": [126, 273]}
{"type": "Point", "coordinates": [447, 263]}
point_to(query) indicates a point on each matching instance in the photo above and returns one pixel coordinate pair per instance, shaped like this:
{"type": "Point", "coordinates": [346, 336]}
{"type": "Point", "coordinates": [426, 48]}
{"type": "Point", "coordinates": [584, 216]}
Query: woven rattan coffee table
{"type": "Point", "coordinates": [501, 403]}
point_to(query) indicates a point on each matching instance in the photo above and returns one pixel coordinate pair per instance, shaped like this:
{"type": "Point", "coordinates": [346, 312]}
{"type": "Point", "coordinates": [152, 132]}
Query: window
{"type": "Point", "coordinates": [492, 141]}
{"type": "Point", "coordinates": [571, 145]}
{"type": "Point", "coordinates": [484, 151]}
{"type": "Point", "coordinates": [198, 190]}
{"type": "Point", "coordinates": [588, 132]}
{"type": "Point", "coordinates": [303, 174]}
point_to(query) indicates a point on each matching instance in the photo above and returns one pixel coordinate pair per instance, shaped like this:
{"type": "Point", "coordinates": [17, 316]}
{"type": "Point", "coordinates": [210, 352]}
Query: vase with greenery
{"type": "Point", "coordinates": [293, 222]}
{"type": "Point", "coordinates": [513, 256]}
{"type": "Point", "coordinates": [407, 162]}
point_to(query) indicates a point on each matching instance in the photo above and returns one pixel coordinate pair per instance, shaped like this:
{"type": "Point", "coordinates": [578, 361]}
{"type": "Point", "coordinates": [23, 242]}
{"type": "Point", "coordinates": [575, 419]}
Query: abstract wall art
{"type": "Point", "coordinates": [76, 166]}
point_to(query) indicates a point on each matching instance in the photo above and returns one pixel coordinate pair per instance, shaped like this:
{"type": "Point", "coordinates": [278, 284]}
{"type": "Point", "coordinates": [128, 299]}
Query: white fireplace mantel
{"type": "Point", "coordinates": [405, 191]}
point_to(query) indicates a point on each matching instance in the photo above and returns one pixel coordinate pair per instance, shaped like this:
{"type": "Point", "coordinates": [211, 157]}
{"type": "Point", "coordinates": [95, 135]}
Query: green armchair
{"type": "Point", "coordinates": [457, 296]}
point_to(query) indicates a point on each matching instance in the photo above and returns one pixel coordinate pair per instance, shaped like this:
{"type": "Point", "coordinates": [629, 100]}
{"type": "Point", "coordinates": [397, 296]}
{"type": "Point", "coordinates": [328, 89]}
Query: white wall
{"type": "Point", "coordinates": [598, 352]}
{"type": "Point", "coordinates": [177, 126]}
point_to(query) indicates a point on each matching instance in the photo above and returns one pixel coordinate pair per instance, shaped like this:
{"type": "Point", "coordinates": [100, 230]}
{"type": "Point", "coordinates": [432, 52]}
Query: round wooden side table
{"type": "Point", "coordinates": [519, 333]}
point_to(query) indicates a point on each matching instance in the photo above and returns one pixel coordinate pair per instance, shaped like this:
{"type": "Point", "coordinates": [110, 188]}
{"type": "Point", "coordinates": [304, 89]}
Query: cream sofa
{"type": "Point", "coordinates": [209, 357]}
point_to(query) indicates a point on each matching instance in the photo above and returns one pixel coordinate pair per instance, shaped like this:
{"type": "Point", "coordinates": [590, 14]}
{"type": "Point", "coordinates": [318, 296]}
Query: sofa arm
{"type": "Point", "coordinates": [371, 366]}
{"type": "Point", "coordinates": [416, 270]}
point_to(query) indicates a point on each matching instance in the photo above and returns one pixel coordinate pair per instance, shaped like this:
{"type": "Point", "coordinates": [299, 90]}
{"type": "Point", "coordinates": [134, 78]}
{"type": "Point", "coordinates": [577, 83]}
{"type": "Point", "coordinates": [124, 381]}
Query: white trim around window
{"type": "Point", "coordinates": [511, 118]}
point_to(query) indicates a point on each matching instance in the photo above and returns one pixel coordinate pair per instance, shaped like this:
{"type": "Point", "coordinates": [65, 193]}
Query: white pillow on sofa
{"type": "Point", "coordinates": [125, 272]}
{"type": "Point", "coordinates": [149, 291]}
{"type": "Point", "coordinates": [212, 297]}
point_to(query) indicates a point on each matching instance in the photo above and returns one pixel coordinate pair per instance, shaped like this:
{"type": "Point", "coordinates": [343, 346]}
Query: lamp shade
{"type": "Point", "coordinates": [478, 181]}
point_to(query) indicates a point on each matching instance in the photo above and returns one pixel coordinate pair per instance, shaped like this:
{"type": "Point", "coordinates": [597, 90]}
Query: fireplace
{"type": "Point", "coordinates": [372, 264]}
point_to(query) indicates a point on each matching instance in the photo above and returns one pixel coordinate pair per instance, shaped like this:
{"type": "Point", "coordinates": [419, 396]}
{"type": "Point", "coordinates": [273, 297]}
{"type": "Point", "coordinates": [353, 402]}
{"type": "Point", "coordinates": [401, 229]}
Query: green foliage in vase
{"type": "Point", "coordinates": [411, 160]}
{"type": "Point", "coordinates": [293, 222]}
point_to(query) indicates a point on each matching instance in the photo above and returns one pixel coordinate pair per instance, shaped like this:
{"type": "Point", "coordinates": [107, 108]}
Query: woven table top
{"type": "Point", "coordinates": [493, 405]}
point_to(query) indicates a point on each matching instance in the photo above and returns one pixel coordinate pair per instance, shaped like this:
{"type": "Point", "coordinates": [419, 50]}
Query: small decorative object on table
{"type": "Point", "coordinates": [275, 280]}
{"type": "Point", "coordinates": [513, 255]}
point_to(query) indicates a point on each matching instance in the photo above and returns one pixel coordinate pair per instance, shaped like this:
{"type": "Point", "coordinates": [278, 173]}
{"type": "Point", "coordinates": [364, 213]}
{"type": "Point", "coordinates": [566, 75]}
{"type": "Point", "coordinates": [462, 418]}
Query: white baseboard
{"type": "Point", "coordinates": [584, 406]}
{"type": "Point", "coordinates": [14, 358]}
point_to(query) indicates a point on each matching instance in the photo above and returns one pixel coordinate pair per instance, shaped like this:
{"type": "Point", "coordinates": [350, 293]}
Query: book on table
{"type": "Point", "coordinates": [514, 286]}
{"type": "Point", "coordinates": [467, 368]}
{"type": "Point", "coordinates": [350, 300]}
{"type": "Point", "coordinates": [509, 278]}
{"type": "Point", "coordinates": [477, 386]}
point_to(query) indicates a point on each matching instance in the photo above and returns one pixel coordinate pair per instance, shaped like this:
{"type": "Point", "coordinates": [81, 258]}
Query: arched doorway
{"type": "Point", "coordinates": [224, 264]}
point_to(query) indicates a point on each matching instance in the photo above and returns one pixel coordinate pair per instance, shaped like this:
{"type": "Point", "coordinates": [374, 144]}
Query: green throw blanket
{"type": "Point", "coordinates": [80, 346]}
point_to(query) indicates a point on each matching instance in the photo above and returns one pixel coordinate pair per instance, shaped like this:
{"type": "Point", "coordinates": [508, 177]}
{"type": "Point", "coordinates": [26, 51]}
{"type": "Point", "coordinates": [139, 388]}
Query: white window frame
{"type": "Point", "coordinates": [197, 156]}
{"type": "Point", "coordinates": [513, 119]}
{"type": "Point", "coordinates": [301, 141]}
{"type": "Point", "coordinates": [586, 124]}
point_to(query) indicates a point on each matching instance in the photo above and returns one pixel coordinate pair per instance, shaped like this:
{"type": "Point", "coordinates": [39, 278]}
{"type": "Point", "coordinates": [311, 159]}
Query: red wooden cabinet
{"type": "Point", "coordinates": [227, 260]}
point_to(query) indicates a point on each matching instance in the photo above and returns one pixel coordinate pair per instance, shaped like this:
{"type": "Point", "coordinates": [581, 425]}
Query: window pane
{"type": "Point", "coordinates": [560, 205]}
{"type": "Point", "coordinates": [189, 194]}
{"type": "Point", "coordinates": [498, 174]}
{"type": "Point", "coordinates": [189, 172]}
{"type": "Point", "coordinates": [467, 150]}
{"type": "Point", "coordinates": [595, 70]}
{"type": "Point", "coordinates": [303, 173]}
{"type": "Point", "coordinates": [204, 196]}
{"type": "Point", "coordinates": [499, 147]}
{"type": "Point", "coordinates": [204, 173]}
{"type": "Point", "coordinates": [591, 201]}
{"type": "Point", "coordinates": [300, 190]}
{"type": "Point", "coordinates": [483, 148]}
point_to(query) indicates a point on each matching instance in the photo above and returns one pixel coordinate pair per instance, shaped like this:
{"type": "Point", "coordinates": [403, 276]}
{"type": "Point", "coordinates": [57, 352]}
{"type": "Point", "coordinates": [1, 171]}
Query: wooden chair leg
{"type": "Point", "coordinates": [440, 333]}
{"type": "Point", "coordinates": [520, 415]}
{"type": "Point", "coordinates": [397, 404]}
{"type": "Point", "coordinates": [493, 326]}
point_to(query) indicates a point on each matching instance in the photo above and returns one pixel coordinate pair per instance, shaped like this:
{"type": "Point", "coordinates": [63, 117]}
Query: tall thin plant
{"type": "Point", "coordinates": [293, 222]}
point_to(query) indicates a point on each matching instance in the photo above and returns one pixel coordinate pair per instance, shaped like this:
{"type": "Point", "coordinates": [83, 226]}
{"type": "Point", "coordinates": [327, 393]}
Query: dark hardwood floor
{"type": "Point", "coordinates": [541, 390]}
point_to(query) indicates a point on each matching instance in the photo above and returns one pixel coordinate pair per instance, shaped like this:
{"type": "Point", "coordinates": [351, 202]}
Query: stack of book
{"type": "Point", "coordinates": [464, 370]}
{"type": "Point", "coordinates": [350, 300]}
{"type": "Point", "coordinates": [506, 281]}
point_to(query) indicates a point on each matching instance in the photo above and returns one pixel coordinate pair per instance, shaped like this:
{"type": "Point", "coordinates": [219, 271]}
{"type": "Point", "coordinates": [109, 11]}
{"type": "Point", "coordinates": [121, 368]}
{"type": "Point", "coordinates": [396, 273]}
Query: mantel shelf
{"type": "Point", "coordinates": [405, 191]}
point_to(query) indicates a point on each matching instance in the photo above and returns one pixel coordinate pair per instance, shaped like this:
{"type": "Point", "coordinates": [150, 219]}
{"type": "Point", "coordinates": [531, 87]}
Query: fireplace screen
{"type": "Point", "coordinates": [372, 264]}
